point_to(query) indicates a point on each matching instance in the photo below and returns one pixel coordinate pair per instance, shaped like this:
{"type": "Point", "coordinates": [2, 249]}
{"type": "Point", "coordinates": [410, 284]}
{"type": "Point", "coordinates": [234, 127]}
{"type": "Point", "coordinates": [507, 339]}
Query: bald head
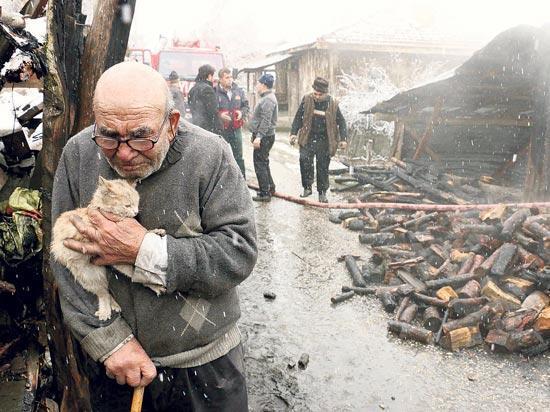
{"type": "Point", "coordinates": [130, 85]}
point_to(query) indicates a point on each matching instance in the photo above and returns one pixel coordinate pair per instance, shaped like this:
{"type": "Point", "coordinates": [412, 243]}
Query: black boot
{"type": "Point", "coordinates": [307, 192]}
{"type": "Point", "coordinates": [262, 197]}
{"type": "Point", "coordinates": [323, 197]}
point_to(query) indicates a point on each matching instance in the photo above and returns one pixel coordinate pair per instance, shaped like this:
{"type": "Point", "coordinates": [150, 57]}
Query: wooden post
{"type": "Point", "coordinates": [62, 98]}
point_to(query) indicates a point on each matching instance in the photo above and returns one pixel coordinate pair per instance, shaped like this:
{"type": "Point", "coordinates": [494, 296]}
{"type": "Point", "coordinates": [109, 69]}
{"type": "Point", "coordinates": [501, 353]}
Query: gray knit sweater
{"type": "Point", "coordinates": [200, 198]}
{"type": "Point", "coordinates": [264, 119]}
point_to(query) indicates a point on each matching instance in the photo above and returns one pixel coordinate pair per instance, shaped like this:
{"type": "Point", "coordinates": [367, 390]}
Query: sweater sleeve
{"type": "Point", "coordinates": [225, 253]}
{"type": "Point", "coordinates": [265, 116]}
{"type": "Point", "coordinates": [298, 119]}
{"type": "Point", "coordinates": [342, 127]}
{"type": "Point", "coordinates": [98, 338]}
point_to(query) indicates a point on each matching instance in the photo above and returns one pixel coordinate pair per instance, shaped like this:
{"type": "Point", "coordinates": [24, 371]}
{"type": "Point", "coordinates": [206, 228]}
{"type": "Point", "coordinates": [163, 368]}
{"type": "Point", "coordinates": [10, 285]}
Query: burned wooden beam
{"type": "Point", "coordinates": [473, 319]}
{"type": "Point", "coordinates": [406, 331]}
{"type": "Point", "coordinates": [432, 319]}
{"type": "Point", "coordinates": [514, 222]}
{"type": "Point", "coordinates": [354, 271]}
{"type": "Point", "coordinates": [455, 281]}
{"type": "Point", "coordinates": [507, 253]}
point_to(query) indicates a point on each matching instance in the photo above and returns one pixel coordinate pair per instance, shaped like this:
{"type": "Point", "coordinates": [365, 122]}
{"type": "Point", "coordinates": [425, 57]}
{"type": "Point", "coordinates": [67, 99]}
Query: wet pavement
{"type": "Point", "coordinates": [354, 364]}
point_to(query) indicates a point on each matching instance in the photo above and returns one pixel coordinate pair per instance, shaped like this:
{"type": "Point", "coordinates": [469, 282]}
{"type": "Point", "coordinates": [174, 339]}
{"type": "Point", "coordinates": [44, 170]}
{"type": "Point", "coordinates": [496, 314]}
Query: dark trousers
{"type": "Point", "coordinates": [235, 140]}
{"type": "Point", "coordinates": [261, 165]}
{"type": "Point", "coordinates": [216, 386]}
{"type": "Point", "coordinates": [318, 150]}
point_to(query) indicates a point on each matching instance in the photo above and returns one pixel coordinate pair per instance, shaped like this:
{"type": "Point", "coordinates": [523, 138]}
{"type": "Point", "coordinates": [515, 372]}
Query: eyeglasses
{"type": "Point", "coordinates": [140, 144]}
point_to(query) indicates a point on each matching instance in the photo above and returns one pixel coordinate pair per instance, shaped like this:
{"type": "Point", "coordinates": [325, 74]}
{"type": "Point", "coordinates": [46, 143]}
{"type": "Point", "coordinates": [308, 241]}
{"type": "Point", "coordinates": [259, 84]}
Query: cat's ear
{"type": "Point", "coordinates": [104, 182]}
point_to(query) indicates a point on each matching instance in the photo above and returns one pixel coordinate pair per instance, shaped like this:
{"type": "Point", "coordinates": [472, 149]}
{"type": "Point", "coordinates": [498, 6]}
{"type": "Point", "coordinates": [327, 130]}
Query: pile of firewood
{"type": "Point", "coordinates": [457, 279]}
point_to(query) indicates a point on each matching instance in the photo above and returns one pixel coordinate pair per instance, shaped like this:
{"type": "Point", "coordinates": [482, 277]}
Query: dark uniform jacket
{"type": "Point", "coordinates": [204, 106]}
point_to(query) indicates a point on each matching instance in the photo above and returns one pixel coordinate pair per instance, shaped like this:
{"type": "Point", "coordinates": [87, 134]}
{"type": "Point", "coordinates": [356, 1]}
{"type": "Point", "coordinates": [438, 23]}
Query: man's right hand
{"type": "Point", "coordinates": [225, 117]}
{"type": "Point", "coordinates": [130, 365]}
{"type": "Point", "coordinates": [293, 139]}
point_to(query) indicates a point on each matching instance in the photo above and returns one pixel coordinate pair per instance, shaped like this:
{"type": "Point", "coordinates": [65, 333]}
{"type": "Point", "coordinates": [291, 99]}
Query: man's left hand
{"type": "Point", "coordinates": [238, 114]}
{"type": "Point", "coordinates": [257, 143]}
{"type": "Point", "coordinates": [110, 240]}
{"type": "Point", "coordinates": [342, 145]}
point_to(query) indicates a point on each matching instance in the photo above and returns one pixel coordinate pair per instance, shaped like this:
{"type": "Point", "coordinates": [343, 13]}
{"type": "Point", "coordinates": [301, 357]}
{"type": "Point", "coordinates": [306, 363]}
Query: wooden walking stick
{"type": "Point", "coordinates": [137, 399]}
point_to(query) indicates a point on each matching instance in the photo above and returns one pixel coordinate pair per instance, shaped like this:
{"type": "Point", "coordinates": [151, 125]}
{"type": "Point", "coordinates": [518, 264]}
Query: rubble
{"type": "Point", "coordinates": [455, 279]}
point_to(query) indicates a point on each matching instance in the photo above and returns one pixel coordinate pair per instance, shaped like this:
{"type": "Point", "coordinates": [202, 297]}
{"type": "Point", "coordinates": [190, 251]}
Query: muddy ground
{"type": "Point", "coordinates": [354, 364]}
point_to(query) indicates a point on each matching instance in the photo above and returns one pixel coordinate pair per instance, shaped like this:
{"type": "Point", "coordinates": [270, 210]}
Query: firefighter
{"type": "Point", "coordinates": [233, 109]}
{"type": "Point", "coordinates": [319, 128]}
{"type": "Point", "coordinates": [202, 101]}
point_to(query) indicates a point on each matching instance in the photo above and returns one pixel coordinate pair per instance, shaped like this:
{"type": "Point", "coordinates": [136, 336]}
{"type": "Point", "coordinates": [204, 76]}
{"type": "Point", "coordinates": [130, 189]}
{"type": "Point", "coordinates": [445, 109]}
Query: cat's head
{"type": "Point", "coordinates": [117, 196]}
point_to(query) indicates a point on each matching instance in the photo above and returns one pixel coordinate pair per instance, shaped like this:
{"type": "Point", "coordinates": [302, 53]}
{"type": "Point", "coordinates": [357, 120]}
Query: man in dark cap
{"type": "Point", "coordinates": [319, 128]}
{"type": "Point", "coordinates": [203, 102]}
{"type": "Point", "coordinates": [262, 127]}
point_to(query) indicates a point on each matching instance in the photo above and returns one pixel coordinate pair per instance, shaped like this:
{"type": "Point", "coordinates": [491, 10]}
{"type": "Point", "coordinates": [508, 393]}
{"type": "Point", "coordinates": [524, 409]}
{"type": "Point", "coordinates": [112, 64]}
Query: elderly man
{"type": "Point", "coordinates": [189, 185]}
{"type": "Point", "coordinates": [319, 128]}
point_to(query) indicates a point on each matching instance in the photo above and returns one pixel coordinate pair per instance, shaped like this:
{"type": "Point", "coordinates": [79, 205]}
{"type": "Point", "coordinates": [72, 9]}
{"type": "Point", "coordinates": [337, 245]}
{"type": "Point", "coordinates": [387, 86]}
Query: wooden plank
{"type": "Point", "coordinates": [429, 129]}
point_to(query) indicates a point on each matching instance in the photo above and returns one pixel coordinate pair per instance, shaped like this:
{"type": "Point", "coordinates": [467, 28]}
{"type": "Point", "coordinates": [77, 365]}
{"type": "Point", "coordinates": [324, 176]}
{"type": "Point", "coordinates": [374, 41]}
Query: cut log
{"type": "Point", "coordinates": [497, 340]}
{"type": "Point", "coordinates": [432, 319]}
{"type": "Point", "coordinates": [473, 319]}
{"type": "Point", "coordinates": [470, 290]}
{"type": "Point", "coordinates": [529, 260]}
{"type": "Point", "coordinates": [409, 313]}
{"type": "Point", "coordinates": [454, 282]}
{"type": "Point", "coordinates": [494, 293]}
{"type": "Point", "coordinates": [517, 321]}
{"type": "Point", "coordinates": [462, 307]}
{"type": "Point", "coordinates": [377, 239]}
{"type": "Point", "coordinates": [406, 331]}
{"type": "Point", "coordinates": [458, 256]}
{"type": "Point", "coordinates": [537, 349]}
{"type": "Point", "coordinates": [402, 306]}
{"type": "Point", "coordinates": [542, 323]}
{"type": "Point", "coordinates": [479, 229]}
{"type": "Point", "coordinates": [417, 284]}
{"type": "Point", "coordinates": [342, 297]}
{"type": "Point", "coordinates": [511, 224]}
{"type": "Point", "coordinates": [486, 266]}
{"type": "Point", "coordinates": [400, 289]}
{"type": "Point", "coordinates": [478, 261]}
{"type": "Point", "coordinates": [428, 300]}
{"type": "Point", "coordinates": [518, 287]}
{"type": "Point", "coordinates": [507, 253]}
{"type": "Point", "coordinates": [461, 338]}
{"type": "Point", "coordinates": [354, 271]}
{"type": "Point", "coordinates": [537, 230]}
{"type": "Point", "coordinates": [407, 262]}
{"type": "Point", "coordinates": [523, 340]}
{"type": "Point", "coordinates": [467, 265]}
{"type": "Point", "coordinates": [446, 293]}
{"type": "Point", "coordinates": [537, 300]}
{"type": "Point", "coordinates": [419, 221]}
{"type": "Point", "coordinates": [388, 301]}
{"type": "Point", "coordinates": [530, 244]}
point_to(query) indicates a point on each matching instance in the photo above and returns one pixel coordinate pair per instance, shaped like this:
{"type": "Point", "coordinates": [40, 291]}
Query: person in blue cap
{"type": "Point", "coordinates": [262, 126]}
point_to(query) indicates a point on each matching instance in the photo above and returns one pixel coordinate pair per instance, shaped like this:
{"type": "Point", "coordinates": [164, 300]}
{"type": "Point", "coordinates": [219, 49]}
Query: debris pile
{"type": "Point", "coordinates": [456, 279]}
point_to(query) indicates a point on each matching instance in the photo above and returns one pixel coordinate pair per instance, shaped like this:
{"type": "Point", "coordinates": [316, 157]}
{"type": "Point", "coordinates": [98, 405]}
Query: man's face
{"type": "Point", "coordinates": [260, 88]}
{"type": "Point", "coordinates": [133, 123]}
{"type": "Point", "coordinates": [226, 80]}
{"type": "Point", "coordinates": [318, 95]}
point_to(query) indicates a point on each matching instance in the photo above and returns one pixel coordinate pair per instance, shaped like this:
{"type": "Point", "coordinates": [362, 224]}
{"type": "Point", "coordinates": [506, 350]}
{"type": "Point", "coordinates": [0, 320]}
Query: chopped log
{"type": "Point", "coordinates": [537, 300]}
{"type": "Point", "coordinates": [461, 338]}
{"type": "Point", "coordinates": [473, 319]}
{"type": "Point", "coordinates": [480, 229]}
{"type": "Point", "coordinates": [446, 293]}
{"type": "Point", "coordinates": [461, 307]}
{"type": "Point", "coordinates": [432, 319]}
{"type": "Point", "coordinates": [7, 287]}
{"type": "Point", "coordinates": [417, 284]}
{"type": "Point", "coordinates": [407, 262]}
{"type": "Point", "coordinates": [495, 213]}
{"type": "Point", "coordinates": [354, 271]}
{"type": "Point", "coordinates": [470, 290]}
{"type": "Point", "coordinates": [523, 340]}
{"type": "Point", "coordinates": [478, 261]}
{"type": "Point", "coordinates": [457, 256]}
{"type": "Point", "coordinates": [400, 289]}
{"type": "Point", "coordinates": [364, 179]}
{"type": "Point", "coordinates": [530, 244]}
{"type": "Point", "coordinates": [419, 221]}
{"type": "Point", "coordinates": [486, 266]}
{"type": "Point", "coordinates": [402, 306]}
{"type": "Point", "coordinates": [388, 301]}
{"type": "Point", "coordinates": [342, 297]}
{"type": "Point", "coordinates": [511, 224]}
{"type": "Point", "coordinates": [542, 323]}
{"type": "Point", "coordinates": [395, 252]}
{"type": "Point", "coordinates": [390, 229]}
{"type": "Point", "coordinates": [441, 268]}
{"type": "Point", "coordinates": [537, 230]}
{"type": "Point", "coordinates": [494, 293]}
{"type": "Point", "coordinates": [406, 331]}
{"type": "Point", "coordinates": [504, 259]}
{"type": "Point", "coordinates": [529, 260]}
{"type": "Point", "coordinates": [518, 287]}
{"type": "Point", "coordinates": [518, 320]}
{"type": "Point", "coordinates": [355, 224]}
{"type": "Point", "coordinates": [537, 349]}
{"type": "Point", "coordinates": [377, 239]}
{"type": "Point", "coordinates": [467, 265]}
{"type": "Point", "coordinates": [455, 281]}
{"type": "Point", "coordinates": [497, 340]}
{"type": "Point", "coordinates": [428, 300]}
{"type": "Point", "coordinates": [409, 313]}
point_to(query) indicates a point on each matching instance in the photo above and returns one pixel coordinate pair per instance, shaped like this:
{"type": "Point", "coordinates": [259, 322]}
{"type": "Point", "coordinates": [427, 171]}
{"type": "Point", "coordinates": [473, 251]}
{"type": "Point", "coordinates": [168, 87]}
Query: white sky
{"type": "Point", "coordinates": [254, 27]}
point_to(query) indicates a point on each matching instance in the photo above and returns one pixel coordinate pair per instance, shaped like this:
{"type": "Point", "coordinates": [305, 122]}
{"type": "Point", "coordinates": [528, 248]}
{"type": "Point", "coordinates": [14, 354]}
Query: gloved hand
{"type": "Point", "coordinates": [293, 139]}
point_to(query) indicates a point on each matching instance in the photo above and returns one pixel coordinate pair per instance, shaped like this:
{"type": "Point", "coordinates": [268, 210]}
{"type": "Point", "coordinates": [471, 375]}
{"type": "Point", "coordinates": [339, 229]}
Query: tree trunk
{"type": "Point", "coordinates": [62, 97]}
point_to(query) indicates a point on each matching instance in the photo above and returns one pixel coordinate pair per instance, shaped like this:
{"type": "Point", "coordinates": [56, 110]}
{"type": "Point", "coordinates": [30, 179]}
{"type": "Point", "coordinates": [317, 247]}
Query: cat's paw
{"type": "Point", "coordinates": [160, 232]}
{"type": "Point", "coordinates": [157, 289]}
{"type": "Point", "coordinates": [104, 313]}
{"type": "Point", "coordinates": [115, 307]}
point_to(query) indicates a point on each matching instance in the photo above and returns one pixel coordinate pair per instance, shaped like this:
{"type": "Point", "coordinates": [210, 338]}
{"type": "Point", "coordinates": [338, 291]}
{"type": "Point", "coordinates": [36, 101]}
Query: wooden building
{"type": "Point", "coordinates": [399, 46]}
{"type": "Point", "coordinates": [490, 120]}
